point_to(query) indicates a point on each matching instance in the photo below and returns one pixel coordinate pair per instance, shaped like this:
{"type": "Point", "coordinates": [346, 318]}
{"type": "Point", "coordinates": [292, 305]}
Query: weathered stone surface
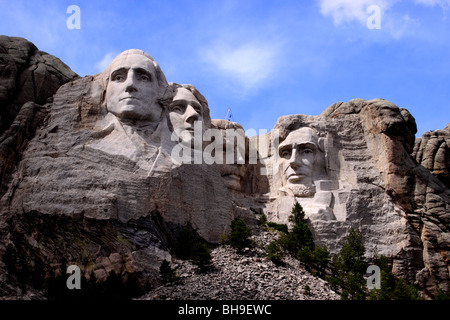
{"type": "Point", "coordinates": [432, 151]}
{"type": "Point", "coordinates": [28, 77]}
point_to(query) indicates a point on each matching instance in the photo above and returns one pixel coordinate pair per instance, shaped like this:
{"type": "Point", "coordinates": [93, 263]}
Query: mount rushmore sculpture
{"type": "Point", "coordinates": [109, 170]}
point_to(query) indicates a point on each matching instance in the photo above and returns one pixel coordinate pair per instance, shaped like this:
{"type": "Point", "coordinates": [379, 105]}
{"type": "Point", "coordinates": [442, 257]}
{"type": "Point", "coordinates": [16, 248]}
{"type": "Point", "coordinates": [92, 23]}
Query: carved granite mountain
{"type": "Point", "coordinates": [102, 183]}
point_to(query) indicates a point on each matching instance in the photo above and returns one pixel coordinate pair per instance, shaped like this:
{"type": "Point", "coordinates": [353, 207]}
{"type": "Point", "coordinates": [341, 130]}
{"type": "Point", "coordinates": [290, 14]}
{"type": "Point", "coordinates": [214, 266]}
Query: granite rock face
{"type": "Point", "coordinates": [28, 78]}
{"type": "Point", "coordinates": [432, 151]}
{"type": "Point", "coordinates": [116, 166]}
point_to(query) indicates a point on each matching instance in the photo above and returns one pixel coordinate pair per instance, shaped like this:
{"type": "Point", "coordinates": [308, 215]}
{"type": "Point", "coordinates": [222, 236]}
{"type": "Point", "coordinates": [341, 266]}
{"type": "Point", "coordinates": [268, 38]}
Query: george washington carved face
{"type": "Point", "coordinates": [135, 84]}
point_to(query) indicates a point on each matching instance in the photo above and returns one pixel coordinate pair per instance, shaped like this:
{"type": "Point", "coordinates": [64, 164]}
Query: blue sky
{"type": "Point", "coordinates": [262, 58]}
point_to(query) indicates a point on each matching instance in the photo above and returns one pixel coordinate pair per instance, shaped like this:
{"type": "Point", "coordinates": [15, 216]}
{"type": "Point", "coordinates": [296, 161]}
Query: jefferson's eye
{"type": "Point", "coordinates": [198, 110]}
{"type": "Point", "coordinates": [176, 108]}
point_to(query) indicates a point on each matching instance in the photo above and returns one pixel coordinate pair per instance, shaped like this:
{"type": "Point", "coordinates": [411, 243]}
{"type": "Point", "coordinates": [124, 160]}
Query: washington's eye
{"type": "Point", "coordinates": [307, 151]}
{"type": "Point", "coordinates": [145, 77]}
{"type": "Point", "coordinates": [118, 78]}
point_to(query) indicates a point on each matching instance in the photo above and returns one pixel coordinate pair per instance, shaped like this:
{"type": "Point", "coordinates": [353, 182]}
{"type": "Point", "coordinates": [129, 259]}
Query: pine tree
{"type": "Point", "coordinates": [166, 272]}
{"type": "Point", "coordinates": [201, 256]}
{"type": "Point", "coordinates": [240, 234]}
{"type": "Point", "coordinates": [298, 215]}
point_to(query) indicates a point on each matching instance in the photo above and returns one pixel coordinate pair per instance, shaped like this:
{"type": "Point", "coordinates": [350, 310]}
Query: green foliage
{"type": "Point", "coordinates": [352, 253]}
{"type": "Point", "coordinates": [275, 252]}
{"type": "Point", "coordinates": [262, 220]}
{"type": "Point", "coordinates": [278, 227]}
{"type": "Point", "coordinates": [298, 215]}
{"type": "Point", "coordinates": [305, 255]}
{"type": "Point", "coordinates": [349, 267]}
{"type": "Point", "coordinates": [321, 258]}
{"type": "Point", "coordinates": [307, 290]}
{"type": "Point", "coordinates": [353, 286]}
{"type": "Point", "coordinates": [166, 272]}
{"type": "Point", "coordinates": [442, 296]}
{"type": "Point", "coordinates": [201, 256]}
{"type": "Point", "coordinates": [184, 244]}
{"type": "Point", "coordinates": [392, 288]}
{"type": "Point", "coordinates": [240, 234]}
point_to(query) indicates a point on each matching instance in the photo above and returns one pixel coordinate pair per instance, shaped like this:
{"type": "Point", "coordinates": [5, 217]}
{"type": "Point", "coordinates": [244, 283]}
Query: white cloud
{"type": "Point", "coordinates": [101, 65]}
{"type": "Point", "coordinates": [343, 11]}
{"type": "Point", "coordinates": [396, 24]}
{"type": "Point", "coordinates": [248, 65]}
{"type": "Point", "coordinates": [442, 3]}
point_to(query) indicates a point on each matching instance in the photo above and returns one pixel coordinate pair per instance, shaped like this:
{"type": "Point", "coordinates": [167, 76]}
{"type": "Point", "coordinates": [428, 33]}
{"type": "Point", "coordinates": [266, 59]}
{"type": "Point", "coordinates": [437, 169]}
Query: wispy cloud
{"type": "Point", "coordinates": [393, 23]}
{"type": "Point", "coordinates": [101, 65]}
{"type": "Point", "coordinates": [442, 3]}
{"type": "Point", "coordinates": [248, 64]}
{"type": "Point", "coordinates": [344, 11]}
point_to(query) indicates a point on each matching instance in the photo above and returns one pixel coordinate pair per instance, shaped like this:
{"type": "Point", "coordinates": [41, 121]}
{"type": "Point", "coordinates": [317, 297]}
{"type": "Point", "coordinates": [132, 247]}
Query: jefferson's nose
{"type": "Point", "coordinates": [191, 114]}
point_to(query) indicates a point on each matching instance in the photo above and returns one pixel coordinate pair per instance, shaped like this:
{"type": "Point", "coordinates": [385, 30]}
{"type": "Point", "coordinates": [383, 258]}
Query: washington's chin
{"type": "Point", "coordinates": [136, 113]}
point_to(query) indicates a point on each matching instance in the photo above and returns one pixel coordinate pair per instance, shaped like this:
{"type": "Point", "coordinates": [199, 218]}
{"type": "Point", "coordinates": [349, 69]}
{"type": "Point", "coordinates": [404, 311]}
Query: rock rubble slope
{"type": "Point", "coordinates": [247, 276]}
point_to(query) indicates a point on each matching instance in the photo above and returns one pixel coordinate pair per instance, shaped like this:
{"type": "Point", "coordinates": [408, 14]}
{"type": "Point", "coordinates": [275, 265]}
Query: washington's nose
{"type": "Point", "coordinates": [191, 114]}
{"type": "Point", "coordinates": [130, 83]}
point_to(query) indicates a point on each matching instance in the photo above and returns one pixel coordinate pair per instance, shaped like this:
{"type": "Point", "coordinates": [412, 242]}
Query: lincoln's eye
{"type": "Point", "coordinates": [286, 154]}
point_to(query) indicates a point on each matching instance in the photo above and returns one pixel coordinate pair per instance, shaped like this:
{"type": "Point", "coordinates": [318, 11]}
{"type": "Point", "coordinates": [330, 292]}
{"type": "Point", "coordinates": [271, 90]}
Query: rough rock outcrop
{"type": "Point", "coordinates": [28, 77]}
{"type": "Point", "coordinates": [432, 151]}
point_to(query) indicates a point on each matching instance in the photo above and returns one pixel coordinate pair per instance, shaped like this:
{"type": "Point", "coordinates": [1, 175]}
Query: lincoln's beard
{"type": "Point", "coordinates": [302, 190]}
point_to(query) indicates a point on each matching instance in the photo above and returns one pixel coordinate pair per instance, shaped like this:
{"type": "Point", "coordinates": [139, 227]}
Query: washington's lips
{"type": "Point", "coordinates": [126, 98]}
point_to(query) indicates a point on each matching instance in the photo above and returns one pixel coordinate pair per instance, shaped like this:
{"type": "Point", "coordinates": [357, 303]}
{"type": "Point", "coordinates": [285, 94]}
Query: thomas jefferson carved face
{"type": "Point", "coordinates": [298, 153]}
{"type": "Point", "coordinates": [184, 111]}
{"type": "Point", "coordinates": [133, 87]}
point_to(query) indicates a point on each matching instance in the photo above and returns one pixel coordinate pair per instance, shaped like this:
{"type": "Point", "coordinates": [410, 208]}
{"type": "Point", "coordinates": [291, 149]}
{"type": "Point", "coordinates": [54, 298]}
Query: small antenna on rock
{"type": "Point", "coordinates": [229, 115]}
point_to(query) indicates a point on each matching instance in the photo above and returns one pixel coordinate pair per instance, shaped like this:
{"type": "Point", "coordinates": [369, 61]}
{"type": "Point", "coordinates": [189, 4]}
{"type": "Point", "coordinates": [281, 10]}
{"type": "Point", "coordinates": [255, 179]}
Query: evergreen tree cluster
{"type": "Point", "coordinates": [299, 242]}
{"type": "Point", "coordinates": [348, 270]}
{"type": "Point", "coordinates": [344, 271]}
{"type": "Point", "coordinates": [190, 248]}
